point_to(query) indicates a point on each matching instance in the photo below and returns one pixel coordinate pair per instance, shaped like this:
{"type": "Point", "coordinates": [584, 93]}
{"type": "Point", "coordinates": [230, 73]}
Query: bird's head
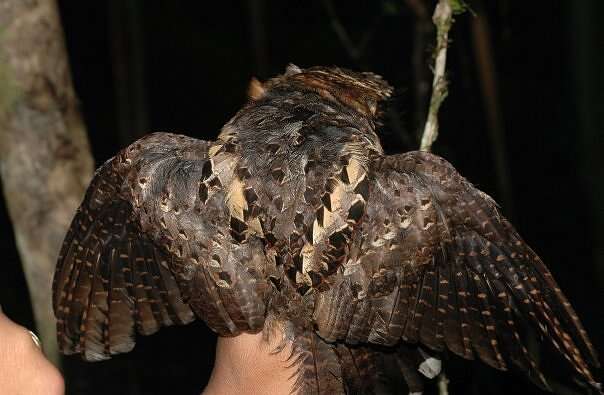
{"type": "Point", "coordinates": [361, 91]}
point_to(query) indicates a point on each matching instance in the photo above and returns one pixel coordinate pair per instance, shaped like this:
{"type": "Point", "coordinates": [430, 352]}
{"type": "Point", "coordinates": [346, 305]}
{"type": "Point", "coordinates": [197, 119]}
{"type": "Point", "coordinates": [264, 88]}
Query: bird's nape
{"type": "Point", "coordinates": [362, 91]}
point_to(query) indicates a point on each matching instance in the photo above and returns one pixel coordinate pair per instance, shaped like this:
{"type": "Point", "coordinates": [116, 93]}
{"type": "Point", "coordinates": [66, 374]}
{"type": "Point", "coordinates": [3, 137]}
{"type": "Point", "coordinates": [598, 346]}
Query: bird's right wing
{"type": "Point", "coordinates": [153, 242]}
{"type": "Point", "coordinates": [436, 263]}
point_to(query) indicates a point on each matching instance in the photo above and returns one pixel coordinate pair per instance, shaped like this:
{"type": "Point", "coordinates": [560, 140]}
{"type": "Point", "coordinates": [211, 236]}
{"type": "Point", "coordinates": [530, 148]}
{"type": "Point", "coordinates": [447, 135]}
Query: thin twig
{"type": "Point", "coordinates": [443, 19]}
{"type": "Point", "coordinates": [340, 31]}
{"type": "Point", "coordinates": [442, 382]}
{"type": "Point", "coordinates": [354, 50]}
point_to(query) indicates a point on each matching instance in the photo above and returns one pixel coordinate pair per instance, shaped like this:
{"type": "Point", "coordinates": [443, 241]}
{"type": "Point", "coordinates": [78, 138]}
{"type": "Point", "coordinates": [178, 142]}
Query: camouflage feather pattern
{"type": "Point", "coordinates": [294, 218]}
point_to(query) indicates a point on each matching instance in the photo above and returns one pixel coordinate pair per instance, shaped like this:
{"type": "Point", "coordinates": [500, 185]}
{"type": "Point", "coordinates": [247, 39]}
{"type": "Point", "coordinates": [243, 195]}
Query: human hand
{"type": "Point", "coordinates": [23, 368]}
{"type": "Point", "coordinates": [248, 364]}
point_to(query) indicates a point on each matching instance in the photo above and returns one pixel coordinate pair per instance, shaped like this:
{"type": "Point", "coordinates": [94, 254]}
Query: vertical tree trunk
{"type": "Point", "coordinates": [45, 160]}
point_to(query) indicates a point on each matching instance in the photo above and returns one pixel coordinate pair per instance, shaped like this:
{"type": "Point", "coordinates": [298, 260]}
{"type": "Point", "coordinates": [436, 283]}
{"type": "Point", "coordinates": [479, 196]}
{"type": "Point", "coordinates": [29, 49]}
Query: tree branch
{"type": "Point", "coordinates": [487, 76]}
{"type": "Point", "coordinates": [354, 50]}
{"type": "Point", "coordinates": [45, 161]}
{"type": "Point", "coordinates": [341, 32]}
{"type": "Point", "coordinates": [443, 19]}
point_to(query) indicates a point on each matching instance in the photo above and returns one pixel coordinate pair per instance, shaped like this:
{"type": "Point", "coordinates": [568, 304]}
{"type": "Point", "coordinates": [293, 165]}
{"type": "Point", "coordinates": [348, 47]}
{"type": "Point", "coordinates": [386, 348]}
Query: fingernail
{"type": "Point", "coordinates": [36, 339]}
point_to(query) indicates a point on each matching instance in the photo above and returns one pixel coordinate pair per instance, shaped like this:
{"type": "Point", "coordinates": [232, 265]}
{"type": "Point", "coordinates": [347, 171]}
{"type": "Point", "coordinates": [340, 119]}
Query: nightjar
{"type": "Point", "coordinates": [295, 223]}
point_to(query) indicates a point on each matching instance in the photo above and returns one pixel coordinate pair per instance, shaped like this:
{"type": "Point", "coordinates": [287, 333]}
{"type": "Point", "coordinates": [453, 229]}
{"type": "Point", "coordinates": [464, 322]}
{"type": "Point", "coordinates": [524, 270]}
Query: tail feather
{"type": "Point", "coordinates": [318, 367]}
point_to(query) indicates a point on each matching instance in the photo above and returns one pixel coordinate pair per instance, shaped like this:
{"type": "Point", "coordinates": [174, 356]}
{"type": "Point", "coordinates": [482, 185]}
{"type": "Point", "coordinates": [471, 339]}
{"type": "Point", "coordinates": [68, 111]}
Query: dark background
{"type": "Point", "coordinates": [183, 66]}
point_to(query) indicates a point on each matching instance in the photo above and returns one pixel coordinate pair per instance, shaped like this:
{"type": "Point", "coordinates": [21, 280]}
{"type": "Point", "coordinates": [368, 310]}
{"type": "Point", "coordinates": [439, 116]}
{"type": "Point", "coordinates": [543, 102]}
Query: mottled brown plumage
{"type": "Point", "coordinates": [294, 220]}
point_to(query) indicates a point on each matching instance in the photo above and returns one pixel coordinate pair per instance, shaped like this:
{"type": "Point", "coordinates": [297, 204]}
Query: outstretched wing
{"type": "Point", "coordinates": [151, 244]}
{"type": "Point", "coordinates": [436, 263]}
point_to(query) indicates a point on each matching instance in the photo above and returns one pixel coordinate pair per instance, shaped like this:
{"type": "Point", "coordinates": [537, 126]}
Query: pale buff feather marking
{"type": "Point", "coordinates": [235, 199]}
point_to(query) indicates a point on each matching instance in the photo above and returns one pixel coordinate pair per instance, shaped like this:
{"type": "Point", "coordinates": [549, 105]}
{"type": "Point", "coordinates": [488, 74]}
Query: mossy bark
{"type": "Point", "coordinates": [45, 160]}
{"type": "Point", "coordinates": [443, 19]}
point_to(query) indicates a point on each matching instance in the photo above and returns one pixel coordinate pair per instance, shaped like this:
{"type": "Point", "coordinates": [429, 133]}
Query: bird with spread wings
{"type": "Point", "coordinates": [295, 222]}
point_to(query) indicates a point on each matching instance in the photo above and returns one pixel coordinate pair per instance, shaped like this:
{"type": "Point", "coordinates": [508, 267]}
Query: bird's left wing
{"type": "Point", "coordinates": [436, 263]}
{"type": "Point", "coordinates": [151, 244]}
